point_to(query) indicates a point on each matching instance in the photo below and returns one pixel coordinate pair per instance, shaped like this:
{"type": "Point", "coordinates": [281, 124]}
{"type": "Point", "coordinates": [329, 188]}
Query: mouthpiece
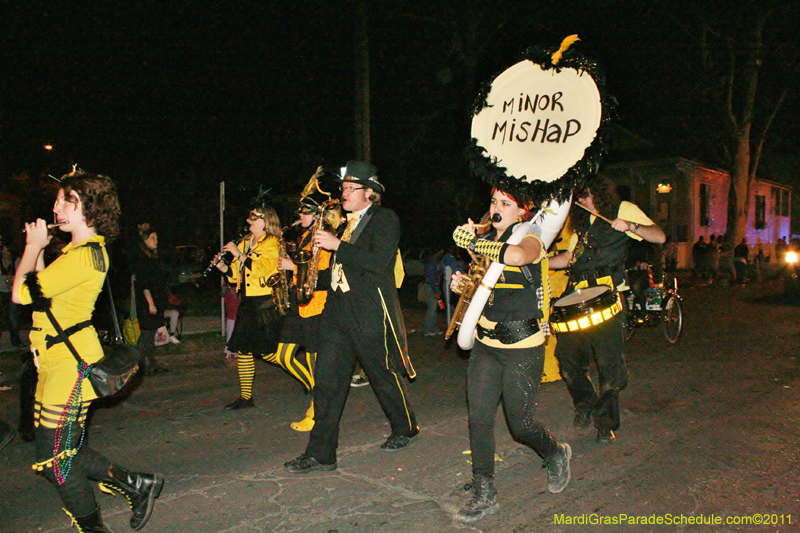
{"type": "Point", "coordinates": [51, 226]}
{"type": "Point", "coordinates": [497, 217]}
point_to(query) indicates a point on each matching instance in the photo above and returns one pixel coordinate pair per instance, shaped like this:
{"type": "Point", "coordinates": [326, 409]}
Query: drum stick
{"type": "Point", "coordinates": [595, 213]}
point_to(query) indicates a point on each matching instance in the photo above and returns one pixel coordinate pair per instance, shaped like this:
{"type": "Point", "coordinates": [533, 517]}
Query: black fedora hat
{"type": "Point", "coordinates": [364, 174]}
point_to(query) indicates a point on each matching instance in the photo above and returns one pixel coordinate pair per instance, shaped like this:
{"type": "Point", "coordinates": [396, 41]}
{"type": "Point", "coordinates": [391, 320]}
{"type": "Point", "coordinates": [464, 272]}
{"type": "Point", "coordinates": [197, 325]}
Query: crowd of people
{"type": "Point", "coordinates": [716, 260]}
{"type": "Point", "coordinates": [346, 315]}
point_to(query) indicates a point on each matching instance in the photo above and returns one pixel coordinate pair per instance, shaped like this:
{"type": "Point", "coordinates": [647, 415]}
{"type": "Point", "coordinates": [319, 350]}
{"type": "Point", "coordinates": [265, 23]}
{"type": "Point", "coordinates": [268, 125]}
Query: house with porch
{"type": "Point", "coordinates": [688, 200]}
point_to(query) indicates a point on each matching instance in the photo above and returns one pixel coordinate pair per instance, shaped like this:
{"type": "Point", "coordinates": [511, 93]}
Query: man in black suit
{"type": "Point", "coordinates": [362, 320]}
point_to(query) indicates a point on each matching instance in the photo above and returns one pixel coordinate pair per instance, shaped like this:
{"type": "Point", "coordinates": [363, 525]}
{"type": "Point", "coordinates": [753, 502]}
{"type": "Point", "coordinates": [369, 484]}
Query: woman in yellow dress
{"type": "Point", "coordinates": [87, 208]}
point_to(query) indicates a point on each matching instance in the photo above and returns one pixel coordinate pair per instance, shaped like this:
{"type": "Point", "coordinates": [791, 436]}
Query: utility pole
{"type": "Point", "coordinates": [362, 122]}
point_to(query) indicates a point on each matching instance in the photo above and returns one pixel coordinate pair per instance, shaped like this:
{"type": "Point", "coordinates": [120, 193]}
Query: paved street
{"type": "Point", "coordinates": [710, 427]}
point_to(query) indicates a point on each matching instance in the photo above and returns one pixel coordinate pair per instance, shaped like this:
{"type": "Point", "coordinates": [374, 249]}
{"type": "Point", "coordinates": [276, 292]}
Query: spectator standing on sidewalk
{"type": "Point", "coordinates": [713, 258]}
{"type": "Point", "coordinates": [8, 309]}
{"type": "Point", "coordinates": [780, 251]}
{"type": "Point", "coordinates": [232, 300]}
{"type": "Point", "coordinates": [670, 253]}
{"type": "Point", "coordinates": [151, 297]}
{"type": "Point", "coordinates": [451, 263]}
{"type": "Point", "coordinates": [741, 256]}
{"type": "Point", "coordinates": [433, 277]}
{"type": "Point", "coordinates": [700, 258]}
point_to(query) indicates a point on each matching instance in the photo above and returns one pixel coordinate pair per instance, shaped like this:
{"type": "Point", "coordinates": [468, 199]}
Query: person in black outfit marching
{"type": "Point", "coordinates": [507, 359]}
{"type": "Point", "coordinates": [598, 258]}
{"type": "Point", "coordinates": [362, 321]}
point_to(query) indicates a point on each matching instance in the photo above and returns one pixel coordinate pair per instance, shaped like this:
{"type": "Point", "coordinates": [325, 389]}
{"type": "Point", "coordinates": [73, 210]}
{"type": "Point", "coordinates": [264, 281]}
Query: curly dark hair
{"type": "Point", "coordinates": [605, 198]}
{"type": "Point", "coordinates": [100, 201]}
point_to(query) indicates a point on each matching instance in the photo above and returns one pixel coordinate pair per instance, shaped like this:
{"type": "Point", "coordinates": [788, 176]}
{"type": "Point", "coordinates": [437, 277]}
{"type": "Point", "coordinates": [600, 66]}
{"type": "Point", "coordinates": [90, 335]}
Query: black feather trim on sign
{"type": "Point", "coordinates": [39, 301]}
{"type": "Point", "coordinates": [581, 173]}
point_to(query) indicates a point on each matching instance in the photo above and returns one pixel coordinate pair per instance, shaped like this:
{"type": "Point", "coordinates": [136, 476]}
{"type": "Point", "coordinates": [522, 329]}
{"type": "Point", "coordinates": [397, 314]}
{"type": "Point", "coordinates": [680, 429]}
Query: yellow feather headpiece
{"type": "Point", "coordinates": [565, 44]}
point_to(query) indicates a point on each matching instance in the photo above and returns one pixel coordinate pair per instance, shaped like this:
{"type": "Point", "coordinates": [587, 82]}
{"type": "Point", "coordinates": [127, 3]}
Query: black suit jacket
{"type": "Point", "coordinates": [372, 302]}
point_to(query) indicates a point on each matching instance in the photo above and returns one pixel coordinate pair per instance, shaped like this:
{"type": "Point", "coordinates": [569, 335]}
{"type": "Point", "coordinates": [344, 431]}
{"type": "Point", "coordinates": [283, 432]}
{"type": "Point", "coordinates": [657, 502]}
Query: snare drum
{"type": "Point", "coordinates": [584, 308]}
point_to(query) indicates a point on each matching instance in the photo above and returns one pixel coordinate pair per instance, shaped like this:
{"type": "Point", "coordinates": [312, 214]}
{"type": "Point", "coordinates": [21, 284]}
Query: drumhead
{"type": "Point", "coordinates": [581, 295]}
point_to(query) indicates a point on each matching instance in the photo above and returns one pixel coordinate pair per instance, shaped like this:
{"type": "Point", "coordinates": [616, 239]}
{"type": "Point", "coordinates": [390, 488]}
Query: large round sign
{"type": "Point", "coordinates": [538, 123]}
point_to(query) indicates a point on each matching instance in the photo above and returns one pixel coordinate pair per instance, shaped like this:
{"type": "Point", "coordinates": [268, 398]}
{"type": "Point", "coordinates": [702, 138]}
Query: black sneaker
{"type": "Point", "coordinates": [558, 472]}
{"type": "Point", "coordinates": [359, 381]}
{"type": "Point", "coordinates": [605, 435]}
{"type": "Point", "coordinates": [395, 443]}
{"type": "Point", "coordinates": [582, 419]}
{"type": "Point", "coordinates": [483, 501]}
{"type": "Point", "coordinates": [240, 403]}
{"type": "Point", "coordinates": [305, 464]}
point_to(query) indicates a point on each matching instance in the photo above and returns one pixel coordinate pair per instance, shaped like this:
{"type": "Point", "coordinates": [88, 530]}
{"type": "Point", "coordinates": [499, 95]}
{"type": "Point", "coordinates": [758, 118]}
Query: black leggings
{"type": "Point", "coordinates": [76, 492]}
{"type": "Point", "coordinates": [515, 375]}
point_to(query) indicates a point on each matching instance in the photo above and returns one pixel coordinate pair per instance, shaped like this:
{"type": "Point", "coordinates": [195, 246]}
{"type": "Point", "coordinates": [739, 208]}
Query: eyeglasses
{"type": "Point", "coordinates": [348, 189]}
{"type": "Point", "coordinates": [254, 216]}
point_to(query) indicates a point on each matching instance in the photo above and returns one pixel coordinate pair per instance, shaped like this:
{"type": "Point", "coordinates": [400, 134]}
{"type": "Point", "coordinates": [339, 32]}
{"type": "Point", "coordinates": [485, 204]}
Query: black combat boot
{"type": "Point", "coordinates": [558, 470]}
{"type": "Point", "coordinates": [91, 523]}
{"type": "Point", "coordinates": [140, 490]}
{"type": "Point", "coordinates": [483, 502]}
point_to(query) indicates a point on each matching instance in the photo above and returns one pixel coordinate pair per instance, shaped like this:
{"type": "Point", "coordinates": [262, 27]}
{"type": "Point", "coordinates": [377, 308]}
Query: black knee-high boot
{"type": "Point", "coordinates": [141, 491]}
{"type": "Point", "coordinates": [76, 491]}
{"type": "Point", "coordinates": [91, 523]}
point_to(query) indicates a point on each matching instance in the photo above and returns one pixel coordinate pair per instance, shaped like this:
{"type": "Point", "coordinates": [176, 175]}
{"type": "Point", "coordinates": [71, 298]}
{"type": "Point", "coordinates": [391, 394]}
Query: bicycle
{"type": "Point", "coordinates": [663, 305]}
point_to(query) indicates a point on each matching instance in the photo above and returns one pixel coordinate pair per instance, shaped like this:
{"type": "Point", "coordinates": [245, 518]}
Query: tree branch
{"type": "Point", "coordinates": [762, 137]}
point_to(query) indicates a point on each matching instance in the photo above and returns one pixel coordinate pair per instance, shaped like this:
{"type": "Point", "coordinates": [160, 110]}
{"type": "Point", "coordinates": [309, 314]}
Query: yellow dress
{"type": "Point", "coordinates": [72, 283]}
{"type": "Point", "coordinates": [558, 283]}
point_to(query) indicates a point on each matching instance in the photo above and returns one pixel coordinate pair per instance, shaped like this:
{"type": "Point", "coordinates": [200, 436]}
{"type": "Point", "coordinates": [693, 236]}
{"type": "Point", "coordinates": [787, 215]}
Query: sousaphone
{"type": "Point", "coordinates": [538, 131]}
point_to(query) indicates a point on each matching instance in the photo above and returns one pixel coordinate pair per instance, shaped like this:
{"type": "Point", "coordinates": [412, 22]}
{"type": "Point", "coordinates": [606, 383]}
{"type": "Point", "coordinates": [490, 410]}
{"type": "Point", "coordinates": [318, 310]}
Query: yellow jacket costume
{"type": "Point", "coordinates": [72, 283]}
{"type": "Point", "coordinates": [261, 263]}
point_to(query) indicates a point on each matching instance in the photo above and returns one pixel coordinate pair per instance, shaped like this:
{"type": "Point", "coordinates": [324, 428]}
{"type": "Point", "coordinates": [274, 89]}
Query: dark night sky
{"type": "Point", "coordinates": [169, 98]}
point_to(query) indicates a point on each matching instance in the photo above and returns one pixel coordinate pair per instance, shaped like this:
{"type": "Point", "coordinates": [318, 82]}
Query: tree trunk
{"type": "Point", "coordinates": [740, 187]}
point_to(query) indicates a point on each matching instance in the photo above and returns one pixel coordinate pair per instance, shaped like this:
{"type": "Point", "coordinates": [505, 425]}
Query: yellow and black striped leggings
{"type": "Point", "coordinates": [302, 367]}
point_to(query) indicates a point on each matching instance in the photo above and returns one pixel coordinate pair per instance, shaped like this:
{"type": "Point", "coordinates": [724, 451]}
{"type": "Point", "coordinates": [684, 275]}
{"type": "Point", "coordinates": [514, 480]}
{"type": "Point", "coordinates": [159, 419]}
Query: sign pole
{"type": "Point", "coordinates": [221, 244]}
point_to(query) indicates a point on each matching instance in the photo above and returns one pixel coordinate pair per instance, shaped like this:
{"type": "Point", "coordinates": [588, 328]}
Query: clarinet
{"type": "Point", "coordinates": [226, 258]}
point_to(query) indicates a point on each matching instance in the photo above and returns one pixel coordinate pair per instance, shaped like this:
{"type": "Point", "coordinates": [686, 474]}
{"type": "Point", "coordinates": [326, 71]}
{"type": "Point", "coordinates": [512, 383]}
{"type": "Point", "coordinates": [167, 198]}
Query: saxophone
{"type": "Point", "coordinates": [466, 288]}
{"type": "Point", "coordinates": [307, 261]}
{"type": "Point", "coordinates": [279, 282]}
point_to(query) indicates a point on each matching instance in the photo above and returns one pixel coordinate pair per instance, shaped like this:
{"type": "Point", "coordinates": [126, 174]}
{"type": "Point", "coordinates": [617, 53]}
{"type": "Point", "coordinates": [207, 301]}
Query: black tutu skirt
{"type": "Point", "coordinates": [302, 331]}
{"type": "Point", "coordinates": [257, 328]}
